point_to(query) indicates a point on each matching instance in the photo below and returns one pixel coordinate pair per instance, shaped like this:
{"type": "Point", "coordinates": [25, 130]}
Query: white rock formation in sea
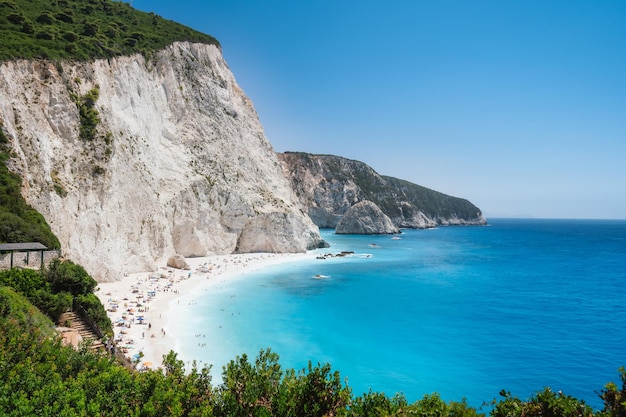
{"type": "Point", "coordinates": [365, 218]}
{"type": "Point", "coordinates": [179, 162]}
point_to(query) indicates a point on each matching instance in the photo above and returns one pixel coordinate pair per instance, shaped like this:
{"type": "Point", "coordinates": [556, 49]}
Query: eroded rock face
{"type": "Point", "coordinates": [288, 229]}
{"type": "Point", "coordinates": [179, 162]}
{"type": "Point", "coordinates": [365, 218]}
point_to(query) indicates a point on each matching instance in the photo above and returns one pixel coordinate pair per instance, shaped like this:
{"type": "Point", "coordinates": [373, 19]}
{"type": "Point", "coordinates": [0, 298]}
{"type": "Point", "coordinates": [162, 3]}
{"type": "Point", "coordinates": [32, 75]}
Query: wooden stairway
{"type": "Point", "coordinates": [73, 320]}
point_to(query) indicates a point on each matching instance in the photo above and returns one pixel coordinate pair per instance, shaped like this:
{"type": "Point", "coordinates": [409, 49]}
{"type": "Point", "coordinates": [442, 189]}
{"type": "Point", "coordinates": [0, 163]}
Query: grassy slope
{"type": "Point", "coordinates": [15, 307]}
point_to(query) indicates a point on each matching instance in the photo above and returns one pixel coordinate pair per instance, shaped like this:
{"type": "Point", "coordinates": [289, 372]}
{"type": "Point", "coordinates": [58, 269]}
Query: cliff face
{"type": "Point", "coordinates": [329, 185]}
{"type": "Point", "coordinates": [177, 161]}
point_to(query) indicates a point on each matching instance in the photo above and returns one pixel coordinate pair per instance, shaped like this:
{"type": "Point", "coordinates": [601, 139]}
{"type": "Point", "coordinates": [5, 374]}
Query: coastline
{"type": "Point", "coordinates": [141, 305]}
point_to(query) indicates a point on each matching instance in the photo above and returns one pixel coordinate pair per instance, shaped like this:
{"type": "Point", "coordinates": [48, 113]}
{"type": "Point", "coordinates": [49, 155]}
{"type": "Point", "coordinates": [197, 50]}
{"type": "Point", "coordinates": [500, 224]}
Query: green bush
{"type": "Point", "coordinates": [70, 36]}
{"type": "Point", "coordinates": [546, 403]}
{"type": "Point", "coordinates": [34, 286]}
{"type": "Point", "coordinates": [65, 16]}
{"type": "Point", "coordinates": [45, 18]}
{"type": "Point", "coordinates": [615, 398]}
{"type": "Point", "coordinates": [24, 281]}
{"type": "Point", "coordinates": [18, 313]}
{"type": "Point", "coordinates": [264, 389]}
{"type": "Point", "coordinates": [44, 34]}
{"type": "Point", "coordinates": [94, 308]}
{"type": "Point", "coordinates": [52, 305]}
{"type": "Point", "coordinates": [55, 290]}
{"type": "Point", "coordinates": [89, 116]}
{"type": "Point", "coordinates": [16, 18]}
{"type": "Point", "coordinates": [66, 276]}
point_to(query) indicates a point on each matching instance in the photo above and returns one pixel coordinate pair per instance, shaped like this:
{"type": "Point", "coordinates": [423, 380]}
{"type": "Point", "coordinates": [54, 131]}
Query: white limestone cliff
{"type": "Point", "coordinates": [180, 162]}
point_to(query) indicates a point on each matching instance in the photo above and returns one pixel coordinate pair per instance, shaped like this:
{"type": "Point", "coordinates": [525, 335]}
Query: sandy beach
{"type": "Point", "coordinates": [139, 304]}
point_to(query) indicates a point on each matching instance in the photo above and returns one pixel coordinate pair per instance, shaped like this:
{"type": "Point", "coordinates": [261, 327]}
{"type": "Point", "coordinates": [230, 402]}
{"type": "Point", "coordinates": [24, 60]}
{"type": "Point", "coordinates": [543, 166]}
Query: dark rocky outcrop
{"type": "Point", "coordinates": [329, 185]}
{"type": "Point", "coordinates": [365, 218]}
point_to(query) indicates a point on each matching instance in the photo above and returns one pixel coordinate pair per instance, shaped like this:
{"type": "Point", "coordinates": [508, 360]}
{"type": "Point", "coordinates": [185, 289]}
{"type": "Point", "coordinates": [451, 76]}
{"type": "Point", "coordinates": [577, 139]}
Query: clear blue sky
{"type": "Point", "coordinates": [518, 106]}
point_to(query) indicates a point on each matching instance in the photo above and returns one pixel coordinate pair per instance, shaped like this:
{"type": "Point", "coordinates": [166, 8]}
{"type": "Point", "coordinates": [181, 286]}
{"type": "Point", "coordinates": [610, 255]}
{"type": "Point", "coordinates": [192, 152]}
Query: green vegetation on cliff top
{"type": "Point", "coordinates": [85, 29]}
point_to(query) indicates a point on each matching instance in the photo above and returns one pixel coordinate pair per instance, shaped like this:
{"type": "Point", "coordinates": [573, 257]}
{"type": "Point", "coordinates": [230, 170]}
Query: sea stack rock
{"type": "Point", "coordinates": [365, 218]}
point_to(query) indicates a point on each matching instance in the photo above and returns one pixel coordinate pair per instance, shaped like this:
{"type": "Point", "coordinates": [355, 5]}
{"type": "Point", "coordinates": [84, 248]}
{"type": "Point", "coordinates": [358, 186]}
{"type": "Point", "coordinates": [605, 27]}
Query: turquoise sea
{"type": "Point", "coordinates": [462, 311]}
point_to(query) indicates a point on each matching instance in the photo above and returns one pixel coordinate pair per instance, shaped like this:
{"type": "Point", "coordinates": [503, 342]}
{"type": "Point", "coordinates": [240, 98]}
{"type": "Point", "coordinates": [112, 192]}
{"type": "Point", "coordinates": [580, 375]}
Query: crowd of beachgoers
{"type": "Point", "coordinates": [139, 304]}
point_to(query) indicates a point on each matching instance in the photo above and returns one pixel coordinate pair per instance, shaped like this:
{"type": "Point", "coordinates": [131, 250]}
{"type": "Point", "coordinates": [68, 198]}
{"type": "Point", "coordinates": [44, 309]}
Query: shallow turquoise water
{"type": "Point", "coordinates": [462, 311]}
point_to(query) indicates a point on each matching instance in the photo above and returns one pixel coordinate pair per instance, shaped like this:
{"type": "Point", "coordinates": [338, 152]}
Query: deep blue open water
{"type": "Point", "coordinates": [462, 311]}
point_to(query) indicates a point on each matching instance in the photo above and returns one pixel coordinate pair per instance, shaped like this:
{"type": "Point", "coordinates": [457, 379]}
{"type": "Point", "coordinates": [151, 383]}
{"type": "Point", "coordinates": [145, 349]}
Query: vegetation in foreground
{"type": "Point", "coordinates": [57, 289]}
{"type": "Point", "coordinates": [39, 376]}
{"type": "Point", "coordinates": [85, 29]}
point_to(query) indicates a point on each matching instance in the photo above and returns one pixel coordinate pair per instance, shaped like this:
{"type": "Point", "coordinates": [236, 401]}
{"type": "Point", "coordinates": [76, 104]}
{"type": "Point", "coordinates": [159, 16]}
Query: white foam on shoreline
{"type": "Point", "coordinates": [160, 299]}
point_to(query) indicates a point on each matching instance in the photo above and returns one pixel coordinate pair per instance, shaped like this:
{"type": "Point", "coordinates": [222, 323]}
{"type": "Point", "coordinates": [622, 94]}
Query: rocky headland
{"type": "Point", "coordinates": [328, 186]}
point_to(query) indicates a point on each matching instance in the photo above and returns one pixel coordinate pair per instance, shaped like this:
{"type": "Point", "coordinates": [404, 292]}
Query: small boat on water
{"type": "Point", "coordinates": [320, 276]}
{"type": "Point", "coordinates": [373, 245]}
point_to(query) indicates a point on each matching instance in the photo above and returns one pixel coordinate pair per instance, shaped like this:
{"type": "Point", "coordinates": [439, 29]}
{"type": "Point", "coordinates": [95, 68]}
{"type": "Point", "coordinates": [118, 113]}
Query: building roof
{"type": "Point", "coordinates": [21, 247]}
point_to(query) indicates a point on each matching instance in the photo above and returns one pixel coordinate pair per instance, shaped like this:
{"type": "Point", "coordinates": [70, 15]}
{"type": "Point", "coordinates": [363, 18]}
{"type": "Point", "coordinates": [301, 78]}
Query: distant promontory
{"type": "Point", "coordinates": [328, 186]}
